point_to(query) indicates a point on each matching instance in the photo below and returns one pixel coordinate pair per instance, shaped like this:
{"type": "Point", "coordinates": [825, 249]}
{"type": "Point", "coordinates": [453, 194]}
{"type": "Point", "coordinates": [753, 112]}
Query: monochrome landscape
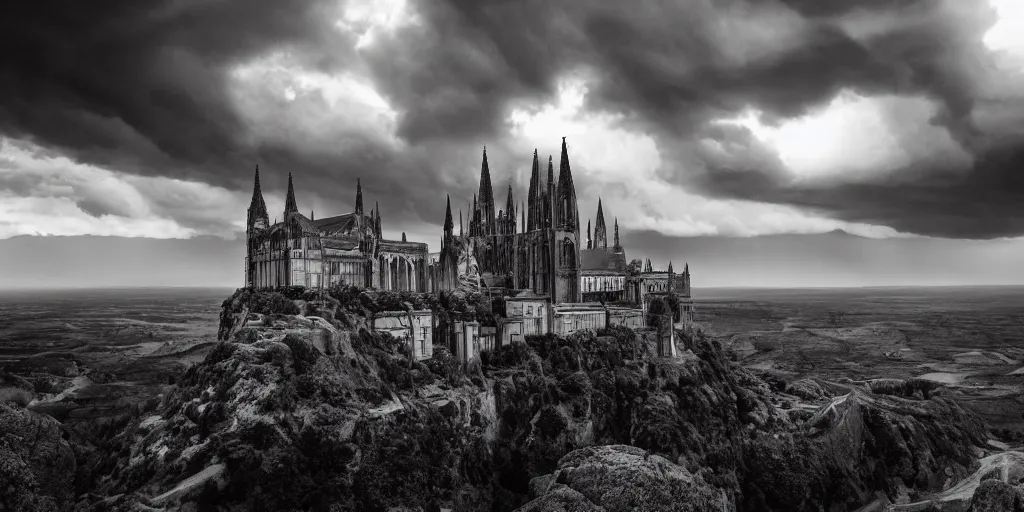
{"type": "Point", "coordinates": [452, 255]}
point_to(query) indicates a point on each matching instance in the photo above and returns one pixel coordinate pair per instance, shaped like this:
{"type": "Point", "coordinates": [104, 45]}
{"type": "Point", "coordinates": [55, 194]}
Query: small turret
{"type": "Point", "coordinates": [618, 247]}
{"type": "Point", "coordinates": [590, 244]}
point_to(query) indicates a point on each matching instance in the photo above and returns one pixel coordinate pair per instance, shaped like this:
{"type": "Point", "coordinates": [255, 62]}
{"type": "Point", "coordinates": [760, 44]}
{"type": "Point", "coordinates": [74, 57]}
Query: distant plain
{"type": "Point", "coordinates": [969, 338]}
{"type": "Point", "coordinates": [88, 350]}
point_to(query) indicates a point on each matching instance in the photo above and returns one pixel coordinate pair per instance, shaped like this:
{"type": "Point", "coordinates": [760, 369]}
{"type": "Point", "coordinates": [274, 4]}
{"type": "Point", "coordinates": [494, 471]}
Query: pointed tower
{"type": "Point", "coordinates": [460, 224]}
{"type": "Point", "coordinates": [486, 195]}
{"type": "Point", "coordinates": [533, 196]}
{"type": "Point", "coordinates": [257, 216]}
{"type": "Point", "coordinates": [549, 195]}
{"type": "Point", "coordinates": [510, 211]}
{"type": "Point", "coordinates": [403, 236]}
{"type": "Point", "coordinates": [289, 203]}
{"type": "Point", "coordinates": [686, 279]}
{"type": "Point", "coordinates": [449, 224]}
{"type": "Point", "coordinates": [618, 246]}
{"type": "Point", "coordinates": [567, 233]}
{"type": "Point", "coordinates": [590, 244]}
{"type": "Point", "coordinates": [376, 223]}
{"type": "Point", "coordinates": [600, 230]}
{"type": "Point", "coordinates": [359, 197]}
{"type": "Point", "coordinates": [257, 220]}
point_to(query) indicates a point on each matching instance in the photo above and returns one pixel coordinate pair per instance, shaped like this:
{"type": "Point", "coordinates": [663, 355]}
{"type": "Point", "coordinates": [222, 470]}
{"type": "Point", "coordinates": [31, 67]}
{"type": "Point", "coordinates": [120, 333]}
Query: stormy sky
{"type": "Point", "coordinates": [888, 119]}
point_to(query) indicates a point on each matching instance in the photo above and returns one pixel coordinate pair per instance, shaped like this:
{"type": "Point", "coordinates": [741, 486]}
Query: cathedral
{"type": "Point", "coordinates": [344, 249]}
{"type": "Point", "coordinates": [532, 250]}
{"type": "Point", "coordinates": [536, 249]}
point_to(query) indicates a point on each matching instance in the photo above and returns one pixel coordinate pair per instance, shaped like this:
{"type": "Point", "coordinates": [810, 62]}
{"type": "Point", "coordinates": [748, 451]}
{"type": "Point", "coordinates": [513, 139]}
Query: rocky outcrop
{"type": "Point", "coordinates": [621, 478]}
{"type": "Point", "coordinates": [997, 496]}
{"type": "Point", "coordinates": [37, 466]}
{"type": "Point", "coordinates": [296, 411]}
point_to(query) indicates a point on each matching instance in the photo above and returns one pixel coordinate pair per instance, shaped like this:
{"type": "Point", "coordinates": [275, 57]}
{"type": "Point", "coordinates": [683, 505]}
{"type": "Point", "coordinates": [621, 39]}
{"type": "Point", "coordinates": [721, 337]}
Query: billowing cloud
{"type": "Point", "coordinates": [731, 117]}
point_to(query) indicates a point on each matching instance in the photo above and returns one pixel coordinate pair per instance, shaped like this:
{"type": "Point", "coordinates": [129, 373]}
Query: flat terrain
{"type": "Point", "coordinates": [100, 350]}
{"type": "Point", "coordinates": [971, 339]}
{"type": "Point", "coordinates": [88, 350]}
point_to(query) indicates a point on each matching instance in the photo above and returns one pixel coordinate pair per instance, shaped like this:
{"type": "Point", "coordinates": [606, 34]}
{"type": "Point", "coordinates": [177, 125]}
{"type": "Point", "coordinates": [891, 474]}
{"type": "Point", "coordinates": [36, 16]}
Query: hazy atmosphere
{"type": "Point", "coordinates": [738, 136]}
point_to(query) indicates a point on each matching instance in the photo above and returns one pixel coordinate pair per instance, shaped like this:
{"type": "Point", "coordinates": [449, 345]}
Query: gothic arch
{"type": "Point", "coordinates": [567, 254]}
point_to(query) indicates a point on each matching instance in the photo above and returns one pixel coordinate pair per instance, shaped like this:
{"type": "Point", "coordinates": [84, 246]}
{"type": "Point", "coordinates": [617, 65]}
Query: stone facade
{"type": "Point", "coordinates": [344, 249]}
{"type": "Point", "coordinates": [414, 327]}
{"type": "Point", "coordinates": [539, 253]}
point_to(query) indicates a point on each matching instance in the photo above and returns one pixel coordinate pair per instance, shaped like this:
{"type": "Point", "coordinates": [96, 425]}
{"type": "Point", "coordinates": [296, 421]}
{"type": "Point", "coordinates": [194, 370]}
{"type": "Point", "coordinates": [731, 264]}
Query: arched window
{"type": "Point", "coordinates": [568, 254]}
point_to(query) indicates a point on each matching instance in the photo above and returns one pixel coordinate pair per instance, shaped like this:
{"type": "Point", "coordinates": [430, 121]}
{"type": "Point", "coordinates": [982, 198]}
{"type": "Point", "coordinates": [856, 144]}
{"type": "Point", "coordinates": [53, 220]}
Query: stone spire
{"type": "Point", "coordinates": [617, 245]}
{"type": "Point", "coordinates": [359, 197]}
{"type": "Point", "coordinates": [590, 244]}
{"type": "Point", "coordinates": [487, 209]}
{"type": "Point", "coordinates": [257, 207]}
{"type": "Point", "coordinates": [533, 196]}
{"type": "Point", "coordinates": [568, 214]}
{"type": "Point", "coordinates": [600, 230]}
{"type": "Point", "coordinates": [311, 217]}
{"type": "Point", "coordinates": [376, 223]}
{"type": "Point", "coordinates": [460, 222]}
{"type": "Point", "coordinates": [449, 225]}
{"type": "Point", "coordinates": [549, 195]}
{"type": "Point", "coordinates": [289, 203]}
{"type": "Point", "coordinates": [403, 236]}
{"type": "Point", "coordinates": [670, 266]}
{"type": "Point", "coordinates": [510, 210]}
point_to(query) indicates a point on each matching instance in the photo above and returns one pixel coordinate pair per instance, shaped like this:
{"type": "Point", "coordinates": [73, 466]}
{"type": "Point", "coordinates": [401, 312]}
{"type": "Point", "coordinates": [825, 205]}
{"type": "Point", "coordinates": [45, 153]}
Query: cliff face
{"type": "Point", "coordinates": [37, 466]}
{"type": "Point", "coordinates": [305, 413]}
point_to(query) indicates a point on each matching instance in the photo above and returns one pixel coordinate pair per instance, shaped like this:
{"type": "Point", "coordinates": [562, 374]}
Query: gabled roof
{"type": "Point", "coordinates": [342, 223]}
{"type": "Point", "coordinates": [340, 243]}
{"type": "Point", "coordinates": [602, 259]}
{"type": "Point", "coordinates": [305, 224]}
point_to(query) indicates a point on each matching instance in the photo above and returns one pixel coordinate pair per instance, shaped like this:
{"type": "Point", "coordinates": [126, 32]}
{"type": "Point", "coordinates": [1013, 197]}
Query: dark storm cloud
{"type": "Point", "coordinates": [141, 86]}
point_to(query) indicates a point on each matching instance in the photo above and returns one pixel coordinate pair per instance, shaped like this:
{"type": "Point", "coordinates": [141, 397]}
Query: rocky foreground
{"type": "Point", "coordinates": [314, 412]}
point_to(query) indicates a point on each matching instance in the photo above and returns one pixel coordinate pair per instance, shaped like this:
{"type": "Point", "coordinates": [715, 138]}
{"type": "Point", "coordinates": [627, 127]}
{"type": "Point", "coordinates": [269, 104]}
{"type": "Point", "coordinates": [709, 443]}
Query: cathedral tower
{"type": "Point", "coordinates": [566, 224]}
{"type": "Point", "coordinates": [600, 231]}
{"type": "Point", "coordinates": [257, 220]}
{"type": "Point", "coordinates": [290, 206]}
{"type": "Point", "coordinates": [486, 197]}
{"type": "Point", "coordinates": [533, 196]}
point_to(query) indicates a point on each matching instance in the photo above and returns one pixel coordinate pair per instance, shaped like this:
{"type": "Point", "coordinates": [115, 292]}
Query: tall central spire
{"type": "Point", "coordinates": [568, 214]}
{"type": "Point", "coordinates": [486, 197]}
{"type": "Point", "coordinates": [533, 197]}
{"type": "Point", "coordinates": [289, 203]}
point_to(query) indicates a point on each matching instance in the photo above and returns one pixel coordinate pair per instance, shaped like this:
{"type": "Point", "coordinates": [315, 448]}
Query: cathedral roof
{"type": "Point", "coordinates": [340, 243]}
{"type": "Point", "coordinates": [304, 223]}
{"type": "Point", "coordinates": [602, 259]}
{"type": "Point", "coordinates": [336, 223]}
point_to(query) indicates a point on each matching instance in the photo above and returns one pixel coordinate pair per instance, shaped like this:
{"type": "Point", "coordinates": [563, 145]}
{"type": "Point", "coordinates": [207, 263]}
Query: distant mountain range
{"type": "Point", "coordinates": [836, 258]}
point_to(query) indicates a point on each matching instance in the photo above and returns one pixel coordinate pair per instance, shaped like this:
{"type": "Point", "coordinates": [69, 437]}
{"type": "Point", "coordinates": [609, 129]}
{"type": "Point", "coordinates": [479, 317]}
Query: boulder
{"type": "Point", "coordinates": [622, 478]}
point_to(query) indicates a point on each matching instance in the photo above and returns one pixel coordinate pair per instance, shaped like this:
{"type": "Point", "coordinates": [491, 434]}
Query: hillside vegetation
{"type": "Point", "coordinates": [307, 409]}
